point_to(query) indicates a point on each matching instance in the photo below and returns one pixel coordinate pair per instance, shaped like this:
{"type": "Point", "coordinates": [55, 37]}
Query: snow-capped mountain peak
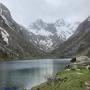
{"type": "Point", "coordinates": [39, 24]}
{"type": "Point", "coordinates": [60, 22]}
{"type": "Point", "coordinates": [49, 36]}
{"type": "Point", "coordinates": [65, 29]}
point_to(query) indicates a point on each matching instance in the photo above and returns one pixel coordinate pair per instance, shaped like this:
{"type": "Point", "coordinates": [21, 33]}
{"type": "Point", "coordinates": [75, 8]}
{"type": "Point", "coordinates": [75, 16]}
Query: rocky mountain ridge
{"type": "Point", "coordinates": [13, 38]}
{"type": "Point", "coordinates": [78, 44]}
{"type": "Point", "coordinates": [48, 36]}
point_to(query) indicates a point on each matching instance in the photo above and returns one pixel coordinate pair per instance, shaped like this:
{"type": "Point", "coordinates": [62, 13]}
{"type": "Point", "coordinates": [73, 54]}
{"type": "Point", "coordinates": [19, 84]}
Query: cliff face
{"type": "Point", "coordinates": [13, 38]}
{"type": "Point", "coordinates": [78, 44]}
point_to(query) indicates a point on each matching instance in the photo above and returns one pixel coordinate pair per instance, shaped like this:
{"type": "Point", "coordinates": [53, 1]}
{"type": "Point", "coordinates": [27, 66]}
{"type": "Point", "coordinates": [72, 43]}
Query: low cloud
{"type": "Point", "coordinates": [27, 11]}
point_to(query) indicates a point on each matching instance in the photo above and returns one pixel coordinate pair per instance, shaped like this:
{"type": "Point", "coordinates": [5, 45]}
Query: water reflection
{"type": "Point", "coordinates": [59, 65]}
{"type": "Point", "coordinates": [27, 74]}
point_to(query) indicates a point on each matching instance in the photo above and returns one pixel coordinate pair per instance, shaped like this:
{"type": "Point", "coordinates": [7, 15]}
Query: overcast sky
{"type": "Point", "coordinates": [27, 11]}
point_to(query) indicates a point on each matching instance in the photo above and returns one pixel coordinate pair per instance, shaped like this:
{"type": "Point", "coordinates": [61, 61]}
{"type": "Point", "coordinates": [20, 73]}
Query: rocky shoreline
{"type": "Point", "coordinates": [76, 76]}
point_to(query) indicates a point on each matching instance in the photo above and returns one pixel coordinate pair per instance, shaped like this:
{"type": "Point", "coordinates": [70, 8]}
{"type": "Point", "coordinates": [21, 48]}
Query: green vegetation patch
{"type": "Point", "coordinates": [74, 80]}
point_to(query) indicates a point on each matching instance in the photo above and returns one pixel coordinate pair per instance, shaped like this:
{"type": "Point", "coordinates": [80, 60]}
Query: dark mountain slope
{"type": "Point", "coordinates": [77, 44]}
{"type": "Point", "coordinates": [14, 42]}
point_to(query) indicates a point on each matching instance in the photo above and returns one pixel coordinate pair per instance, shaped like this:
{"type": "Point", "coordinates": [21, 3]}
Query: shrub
{"type": "Point", "coordinates": [73, 60]}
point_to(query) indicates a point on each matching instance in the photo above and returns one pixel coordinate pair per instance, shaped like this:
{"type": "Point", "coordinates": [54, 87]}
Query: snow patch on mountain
{"type": "Point", "coordinates": [6, 21]}
{"type": "Point", "coordinates": [48, 43]}
{"type": "Point", "coordinates": [65, 29]}
{"type": "Point", "coordinates": [89, 18]}
{"type": "Point", "coordinates": [41, 32]}
{"type": "Point", "coordinates": [5, 35]}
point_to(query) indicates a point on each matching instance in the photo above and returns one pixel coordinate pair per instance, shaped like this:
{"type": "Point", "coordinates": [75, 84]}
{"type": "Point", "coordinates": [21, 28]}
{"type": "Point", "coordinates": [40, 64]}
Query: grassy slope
{"type": "Point", "coordinates": [75, 81]}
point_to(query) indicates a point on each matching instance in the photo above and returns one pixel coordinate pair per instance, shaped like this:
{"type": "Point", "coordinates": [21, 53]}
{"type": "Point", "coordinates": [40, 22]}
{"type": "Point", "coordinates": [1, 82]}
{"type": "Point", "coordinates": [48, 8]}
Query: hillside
{"type": "Point", "coordinates": [78, 44]}
{"type": "Point", "coordinates": [14, 43]}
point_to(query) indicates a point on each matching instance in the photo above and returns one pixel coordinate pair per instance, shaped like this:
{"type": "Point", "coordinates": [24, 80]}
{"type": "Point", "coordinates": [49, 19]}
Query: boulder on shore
{"type": "Point", "coordinates": [81, 60]}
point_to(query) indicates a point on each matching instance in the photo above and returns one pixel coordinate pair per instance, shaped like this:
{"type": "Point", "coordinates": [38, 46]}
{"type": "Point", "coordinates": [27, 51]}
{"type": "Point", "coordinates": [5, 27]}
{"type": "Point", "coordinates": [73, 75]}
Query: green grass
{"type": "Point", "coordinates": [75, 81]}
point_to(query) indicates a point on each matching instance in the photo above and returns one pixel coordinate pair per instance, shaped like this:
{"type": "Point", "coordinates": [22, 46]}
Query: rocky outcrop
{"type": "Point", "coordinates": [82, 59]}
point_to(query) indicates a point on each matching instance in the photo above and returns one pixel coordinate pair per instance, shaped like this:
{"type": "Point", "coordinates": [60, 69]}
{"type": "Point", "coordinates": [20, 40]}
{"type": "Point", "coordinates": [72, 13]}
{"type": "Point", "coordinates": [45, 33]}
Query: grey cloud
{"type": "Point", "coordinates": [27, 11]}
